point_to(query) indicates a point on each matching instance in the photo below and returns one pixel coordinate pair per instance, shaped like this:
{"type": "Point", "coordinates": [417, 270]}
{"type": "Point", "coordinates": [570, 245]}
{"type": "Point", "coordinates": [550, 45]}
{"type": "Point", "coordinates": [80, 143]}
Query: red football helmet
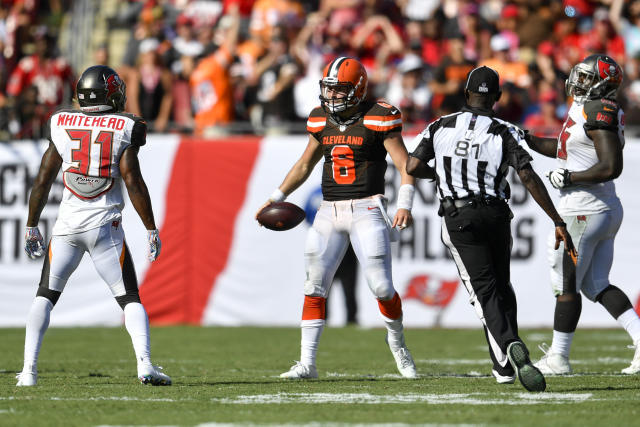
{"type": "Point", "coordinates": [343, 85]}
{"type": "Point", "coordinates": [597, 76]}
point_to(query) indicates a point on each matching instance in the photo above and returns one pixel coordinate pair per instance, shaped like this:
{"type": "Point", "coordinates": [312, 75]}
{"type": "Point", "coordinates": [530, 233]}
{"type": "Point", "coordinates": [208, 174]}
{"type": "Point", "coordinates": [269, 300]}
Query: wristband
{"type": "Point", "coordinates": [560, 224]}
{"type": "Point", "coordinates": [405, 197]}
{"type": "Point", "coordinates": [277, 196]}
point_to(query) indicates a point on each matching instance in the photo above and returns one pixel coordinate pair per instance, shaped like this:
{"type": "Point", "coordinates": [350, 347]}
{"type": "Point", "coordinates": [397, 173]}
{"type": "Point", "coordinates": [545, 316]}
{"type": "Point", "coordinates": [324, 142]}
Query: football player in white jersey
{"type": "Point", "coordinates": [589, 151]}
{"type": "Point", "coordinates": [96, 147]}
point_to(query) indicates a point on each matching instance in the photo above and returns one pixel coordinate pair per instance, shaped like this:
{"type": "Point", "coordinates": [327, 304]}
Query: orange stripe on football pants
{"type": "Point", "coordinates": [49, 252]}
{"type": "Point", "coordinates": [314, 308]}
{"type": "Point", "coordinates": [122, 255]}
{"type": "Point", "coordinates": [391, 309]}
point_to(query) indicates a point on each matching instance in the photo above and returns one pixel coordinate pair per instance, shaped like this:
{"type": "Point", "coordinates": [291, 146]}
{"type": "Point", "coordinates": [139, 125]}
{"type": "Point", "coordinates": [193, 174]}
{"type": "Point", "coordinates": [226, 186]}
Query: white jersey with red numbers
{"type": "Point", "coordinates": [91, 146]}
{"type": "Point", "coordinates": [576, 152]}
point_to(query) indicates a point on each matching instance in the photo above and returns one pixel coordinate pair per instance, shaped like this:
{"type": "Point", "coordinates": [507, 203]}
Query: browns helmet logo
{"type": "Point", "coordinates": [609, 70]}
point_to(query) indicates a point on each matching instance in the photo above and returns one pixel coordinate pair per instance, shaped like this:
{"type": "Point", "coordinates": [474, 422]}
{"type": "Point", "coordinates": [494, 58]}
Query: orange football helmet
{"type": "Point", "coordinates": [343, 85]}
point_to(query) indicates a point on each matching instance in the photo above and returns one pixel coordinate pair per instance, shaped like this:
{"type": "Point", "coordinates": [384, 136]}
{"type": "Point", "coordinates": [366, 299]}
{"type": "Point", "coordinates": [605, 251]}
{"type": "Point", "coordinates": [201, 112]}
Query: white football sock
{"type": "Point", "coordinates": [631, 323]}
{"type": "Point", "coordinates": [561, 343]}
{"type": "Point", "coordinates": [395, 332]}
{"type": "Point", "coordinates": [37, 324]}
{"type": "Point", "coordinates": [310, 331]}
{"type": "Point", "coordinates": [137, 324]}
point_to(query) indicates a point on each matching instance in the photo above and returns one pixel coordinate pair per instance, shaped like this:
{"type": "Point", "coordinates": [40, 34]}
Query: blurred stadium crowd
{"type": "Point", "coordinates": [253, 66]}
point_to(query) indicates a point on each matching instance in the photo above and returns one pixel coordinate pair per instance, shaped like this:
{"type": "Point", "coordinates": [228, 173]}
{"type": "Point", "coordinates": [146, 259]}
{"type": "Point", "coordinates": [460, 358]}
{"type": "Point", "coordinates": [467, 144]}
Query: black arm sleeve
{"type": "Point", "coordinates": [515, 155]}
{"type": "Point", "coordinates": [424, 151]}
{"type": "Point", "coordinates": [139, 133]}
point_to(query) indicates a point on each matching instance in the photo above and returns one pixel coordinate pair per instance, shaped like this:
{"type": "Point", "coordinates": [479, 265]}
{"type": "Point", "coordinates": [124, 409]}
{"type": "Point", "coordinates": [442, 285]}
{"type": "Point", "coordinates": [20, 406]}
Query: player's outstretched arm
{"type": "Point", "coordinates": [398, 152]}
{"type": "Point", "coordinates": [545, 146]}
{"type": "Point", "coordinates": [49, 167]}
{"type": "Point", "coordinates": [298, 173]}
{"type": "Point", "coordinates": [538, 191]}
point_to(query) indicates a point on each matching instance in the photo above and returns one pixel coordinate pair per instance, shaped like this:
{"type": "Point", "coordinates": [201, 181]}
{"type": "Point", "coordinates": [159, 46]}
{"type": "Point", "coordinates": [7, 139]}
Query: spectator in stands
{"type": "Point", "coordinates": [449, 78]}
{"type": "Point", "coordinates": [545, 122]}
{"type": "Point", "coordinates": [49, 75]}
{"type": "Point", "coordinates": [476, 33]}
{"type": "Point", "coordinates": [629, 29]}
{"type": "Point", "coordinates": [150, 88]}
{"type": "Point", "coordinates": [409, 91]}
{"type": "Point", "coordinates": [510, 70]}
{"type": "Point", "coordinates": [269, 14]}
{"type": "Point", "coordinates": [376, 41]}
{"type": "Point", "coordinates": [602, 38]}
{"type": "Point", "coordinates": [432, 43]}
{"type": "Point", "coordinates": [211, 88]}
{"type": "Point", "coordinates": [278, 71]}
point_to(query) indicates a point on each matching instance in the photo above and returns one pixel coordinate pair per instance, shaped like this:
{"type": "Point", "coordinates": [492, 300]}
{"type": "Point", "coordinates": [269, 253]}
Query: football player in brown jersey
{"type": "Point", "coordinates": [589, 153]}
{"type": "Point", "coordinates": [353, 136]}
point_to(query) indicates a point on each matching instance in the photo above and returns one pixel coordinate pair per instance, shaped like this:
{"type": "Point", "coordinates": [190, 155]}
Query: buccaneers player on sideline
{"type": "Point", "coordinates": [354, 137]}
{"type": "Point", "coordinates": [97, 148]}
{"type": "Point", "coordinates": [589, 151]}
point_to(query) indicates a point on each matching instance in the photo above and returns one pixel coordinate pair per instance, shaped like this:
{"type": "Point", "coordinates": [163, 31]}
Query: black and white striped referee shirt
{"type": "Point", "coordinates": [472, 152]}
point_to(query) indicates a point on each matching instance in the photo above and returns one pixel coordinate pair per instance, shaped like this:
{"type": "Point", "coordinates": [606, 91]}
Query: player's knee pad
{"type": "Point", "coordinates": [129, 297]}
{"type": "Point", "coordinates": [379, 279]}
{"type": "Point", "coordinates": [614, 301]}
{"type": "Point", "coordinates": [49, 294]}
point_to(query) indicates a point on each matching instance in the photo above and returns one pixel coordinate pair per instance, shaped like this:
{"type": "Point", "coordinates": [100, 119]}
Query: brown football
{"type": "Point", "coordinates": [280, 216]}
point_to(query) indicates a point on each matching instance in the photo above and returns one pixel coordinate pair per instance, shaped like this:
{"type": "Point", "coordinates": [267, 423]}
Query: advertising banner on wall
{"type": "Point", "coordinates": [218, 267]}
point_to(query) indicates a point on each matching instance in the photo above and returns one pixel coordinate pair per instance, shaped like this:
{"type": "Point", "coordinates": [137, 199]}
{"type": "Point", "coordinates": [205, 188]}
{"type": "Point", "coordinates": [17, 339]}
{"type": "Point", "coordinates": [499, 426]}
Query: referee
{"type": "Point", "coordinates": [472, 151]}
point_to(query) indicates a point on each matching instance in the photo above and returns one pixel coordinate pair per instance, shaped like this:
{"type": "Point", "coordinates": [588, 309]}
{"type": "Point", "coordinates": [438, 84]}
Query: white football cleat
{"type": "Point", "coordinates": [634, 368]}
{"type": "Point", "coordinates": [504, 379]}
{"type": "Point", "coordinates": [152, 374]}
{"type": "Point", "coordinates": [404, 362]}
{"type": "Point", "coordinates": [26, 379]}
{"type": "Point", "coordinates": [553, 363]}
{"type": "Point", "coordinates": [300, 371]}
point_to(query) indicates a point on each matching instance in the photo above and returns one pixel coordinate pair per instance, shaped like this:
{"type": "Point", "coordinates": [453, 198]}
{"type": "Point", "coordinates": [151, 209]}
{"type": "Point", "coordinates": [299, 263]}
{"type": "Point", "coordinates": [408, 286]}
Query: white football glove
{"type": "Point", "coordinates": [559, 178]}
{"type": "Point", "coordinates": [153, 238]}
{"type": "Point", "coordinates": [33, 242]}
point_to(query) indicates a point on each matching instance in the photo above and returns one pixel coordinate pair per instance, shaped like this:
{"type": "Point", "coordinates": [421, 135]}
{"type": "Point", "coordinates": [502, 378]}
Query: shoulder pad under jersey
{"type": "Point", "coordinates": [317, 120]}
{"type": "Point", "coordinates": [601, 114]}
{"type": "Point", "coordinates": [383, 117]}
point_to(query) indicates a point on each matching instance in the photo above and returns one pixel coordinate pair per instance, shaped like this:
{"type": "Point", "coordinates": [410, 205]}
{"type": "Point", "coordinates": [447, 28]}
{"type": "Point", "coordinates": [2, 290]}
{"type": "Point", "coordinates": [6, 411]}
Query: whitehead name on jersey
{"type": "Point", "coordinates": [576, 152]}
{"type": "Point", "coordinates": [91, 146]}
{"type": "Point", "coordinates": [354, 153]}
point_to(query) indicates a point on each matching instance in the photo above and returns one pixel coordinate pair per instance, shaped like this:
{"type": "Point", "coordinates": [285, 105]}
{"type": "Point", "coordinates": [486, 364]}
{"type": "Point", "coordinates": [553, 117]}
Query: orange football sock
{"type": "Point", "coordinates": [391, 309]}
{"type": "Point", "coordinates": [314, 308]}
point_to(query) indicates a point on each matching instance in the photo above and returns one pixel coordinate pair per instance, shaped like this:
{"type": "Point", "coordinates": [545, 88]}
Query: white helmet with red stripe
{"type": "Point", "coordinates": [343, 85]}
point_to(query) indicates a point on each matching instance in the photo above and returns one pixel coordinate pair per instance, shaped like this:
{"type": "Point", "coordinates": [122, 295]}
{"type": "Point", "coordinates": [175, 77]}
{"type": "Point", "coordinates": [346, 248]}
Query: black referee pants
{"type": "Point", "coordinates": [479, 239]}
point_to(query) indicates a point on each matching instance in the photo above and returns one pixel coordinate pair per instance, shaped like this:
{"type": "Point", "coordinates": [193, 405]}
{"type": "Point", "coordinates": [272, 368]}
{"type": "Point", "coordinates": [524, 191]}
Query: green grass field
{"type": "Point", "coordinates": [228, 376]}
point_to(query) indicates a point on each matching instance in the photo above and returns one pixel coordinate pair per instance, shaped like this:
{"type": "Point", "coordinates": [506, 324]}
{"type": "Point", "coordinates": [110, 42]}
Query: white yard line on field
{"type": "Point", "coordinates": [435, 399]}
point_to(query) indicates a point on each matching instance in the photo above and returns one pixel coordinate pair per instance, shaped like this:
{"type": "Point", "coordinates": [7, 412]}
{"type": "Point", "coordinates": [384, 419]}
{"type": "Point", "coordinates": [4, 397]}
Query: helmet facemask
{"type": "Point", "coordinates": [337, 97]}
{"type": "Point", "coordinates": [584, 82]}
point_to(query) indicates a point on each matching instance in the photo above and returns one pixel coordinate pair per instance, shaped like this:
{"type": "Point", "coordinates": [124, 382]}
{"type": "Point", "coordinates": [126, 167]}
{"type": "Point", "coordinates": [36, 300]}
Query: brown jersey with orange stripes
{"type": "Point", "coordinates": [354, 154]}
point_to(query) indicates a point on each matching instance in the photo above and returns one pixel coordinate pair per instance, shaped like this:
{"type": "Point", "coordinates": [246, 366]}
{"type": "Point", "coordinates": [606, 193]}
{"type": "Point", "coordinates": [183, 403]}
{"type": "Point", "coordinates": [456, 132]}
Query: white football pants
{"type": "Point", "coordinates": [593, 236]}
{"type": "Point", "coordinates": [361, 222]}
{"type": "Point", "coordinates": [107, 249]}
